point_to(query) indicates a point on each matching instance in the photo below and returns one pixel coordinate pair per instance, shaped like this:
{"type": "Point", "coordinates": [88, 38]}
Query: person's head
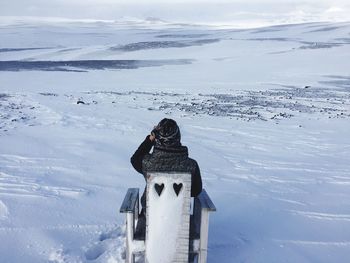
{"type": "Point", "coordinates": [167, 133]}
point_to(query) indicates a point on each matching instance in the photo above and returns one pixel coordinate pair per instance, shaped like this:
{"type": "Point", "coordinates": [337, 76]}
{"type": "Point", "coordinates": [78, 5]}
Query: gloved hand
{"type": "Point", "coordinates": [154, 133]}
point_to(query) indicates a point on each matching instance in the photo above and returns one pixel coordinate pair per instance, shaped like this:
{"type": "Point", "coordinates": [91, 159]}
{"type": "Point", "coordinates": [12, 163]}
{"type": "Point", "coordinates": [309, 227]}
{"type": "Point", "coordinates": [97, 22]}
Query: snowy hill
{"type": "Point", "coordinates": [264, 111]}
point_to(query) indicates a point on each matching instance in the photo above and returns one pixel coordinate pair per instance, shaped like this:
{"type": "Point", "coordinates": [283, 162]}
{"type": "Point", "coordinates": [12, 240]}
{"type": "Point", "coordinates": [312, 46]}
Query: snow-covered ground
{"type": "Point", "coordinates": [265, 112]}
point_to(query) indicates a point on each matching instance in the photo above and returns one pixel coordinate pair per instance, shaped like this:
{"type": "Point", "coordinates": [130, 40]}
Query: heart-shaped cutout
{"type": "Point", "coordinates": [177, 188]}
{"type": "Point", "coordinates": [159, 188]}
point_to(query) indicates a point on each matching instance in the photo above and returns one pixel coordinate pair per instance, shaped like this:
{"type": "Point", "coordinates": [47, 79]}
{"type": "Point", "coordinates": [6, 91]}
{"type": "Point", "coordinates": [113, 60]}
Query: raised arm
{"type": "Point", "coordinates": [144, 148]}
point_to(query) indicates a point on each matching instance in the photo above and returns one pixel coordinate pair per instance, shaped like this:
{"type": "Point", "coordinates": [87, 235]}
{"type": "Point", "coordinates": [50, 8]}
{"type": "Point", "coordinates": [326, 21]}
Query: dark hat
{"type": "Point", "coordinates": [167, 133]}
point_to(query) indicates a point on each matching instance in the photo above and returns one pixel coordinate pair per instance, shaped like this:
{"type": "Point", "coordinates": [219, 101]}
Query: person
{"type": "Point", "coordinates": [168, 155]}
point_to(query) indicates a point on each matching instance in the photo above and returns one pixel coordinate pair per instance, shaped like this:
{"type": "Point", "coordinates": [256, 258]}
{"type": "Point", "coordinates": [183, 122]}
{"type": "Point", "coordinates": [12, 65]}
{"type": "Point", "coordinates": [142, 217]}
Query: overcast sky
{"type": "Point", "coordinates": [216, 11]}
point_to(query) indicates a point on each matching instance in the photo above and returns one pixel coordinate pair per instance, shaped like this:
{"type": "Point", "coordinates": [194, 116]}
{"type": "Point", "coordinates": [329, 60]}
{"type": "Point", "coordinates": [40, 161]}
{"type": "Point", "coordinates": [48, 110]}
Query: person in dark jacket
{"type": "Point", "coordinates": [168, 155]}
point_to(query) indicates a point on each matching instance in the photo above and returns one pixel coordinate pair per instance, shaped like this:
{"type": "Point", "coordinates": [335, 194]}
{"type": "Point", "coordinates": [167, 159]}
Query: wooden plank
{"type": "Point", "coordinates": [130, 200]}
{"type": "Point", "coordinates": [171, 211]}
{"type": "Point", "coordinates": [129, 237]}
{"type": "Point", "coordinates": [203, 242]}
{"type": "Point", "coordinates": [205, 201]}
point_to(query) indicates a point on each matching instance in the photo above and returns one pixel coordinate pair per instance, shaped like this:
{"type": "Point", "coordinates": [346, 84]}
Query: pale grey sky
{"type": "Point", "coordinates": [218, 11]}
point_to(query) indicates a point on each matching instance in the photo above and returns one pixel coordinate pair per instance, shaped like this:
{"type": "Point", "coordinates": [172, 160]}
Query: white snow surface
{"type": "Point", "coordinates": [265, 112]}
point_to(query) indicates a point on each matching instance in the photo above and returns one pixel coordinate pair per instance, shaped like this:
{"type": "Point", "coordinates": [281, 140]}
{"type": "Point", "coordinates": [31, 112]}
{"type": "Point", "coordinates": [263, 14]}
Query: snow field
{"type": "Point", "coordinates": [265, 112]}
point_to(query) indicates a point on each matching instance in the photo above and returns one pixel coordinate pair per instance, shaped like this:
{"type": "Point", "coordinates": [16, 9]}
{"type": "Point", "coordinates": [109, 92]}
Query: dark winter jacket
{"type": "Point", "coordinates": [166, 160]}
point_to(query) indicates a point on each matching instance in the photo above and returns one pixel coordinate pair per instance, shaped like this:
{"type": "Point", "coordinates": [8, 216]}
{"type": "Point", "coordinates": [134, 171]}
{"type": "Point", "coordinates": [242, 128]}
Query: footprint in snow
{"type": "Point", "coordinates": [95, 252]}
{"type": "Point", "coordinates": [109, 247]}
{"type": "Point", "coordinates": [3, 211]}
{"type": "Point", "coordinates": [113, 234]}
